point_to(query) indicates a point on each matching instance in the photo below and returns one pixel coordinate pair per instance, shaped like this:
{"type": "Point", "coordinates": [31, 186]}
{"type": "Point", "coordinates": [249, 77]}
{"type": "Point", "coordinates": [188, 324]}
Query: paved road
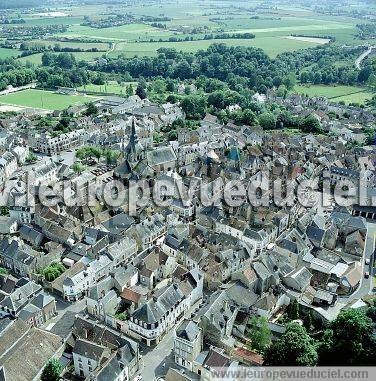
{"type": "Point", "coordinates": [363, 56]}
{"type": "Point", "coordinates": [153, 360]}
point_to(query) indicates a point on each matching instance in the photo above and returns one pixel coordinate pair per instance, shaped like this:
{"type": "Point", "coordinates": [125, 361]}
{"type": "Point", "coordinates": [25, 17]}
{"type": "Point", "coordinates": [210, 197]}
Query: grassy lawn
{"type": "Point", "coordinates": [110, 88]}
{"type": "Point", "coordinates": [6, 53]}
{"type": "Point", "coordinates": [41, 99]}
{"type": "Point", "coordinates": [271, 27]}
{"type": "Point", "coordinates": [347, 94]}
{"type": "Point", "coordinates": [360, 98]}
{"type": "Point", "coordinates": [36, 59]}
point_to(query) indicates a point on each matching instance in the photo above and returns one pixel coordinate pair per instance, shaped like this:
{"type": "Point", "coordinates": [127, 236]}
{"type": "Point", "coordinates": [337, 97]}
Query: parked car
{"type": "Point", "coordinates": [366, 275]}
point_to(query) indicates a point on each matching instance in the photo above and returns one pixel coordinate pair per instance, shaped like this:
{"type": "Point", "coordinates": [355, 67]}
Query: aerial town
{"type": "Point", "coordinates": [175, 291]}
{"type": "Point", "coordinates": [208, 218]}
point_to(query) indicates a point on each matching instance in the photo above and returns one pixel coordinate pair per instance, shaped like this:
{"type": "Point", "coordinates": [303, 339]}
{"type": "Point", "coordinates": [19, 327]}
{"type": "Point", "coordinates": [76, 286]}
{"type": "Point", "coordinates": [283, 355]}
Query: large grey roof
{"type": "Point", "coordinates": [160, 156]}
{"type": "Point", "coordinates": [88, 349]}
{"type": "Point", "coordinates": [153, 310]}
{"type": "Point", "coordinates": [188, 330]}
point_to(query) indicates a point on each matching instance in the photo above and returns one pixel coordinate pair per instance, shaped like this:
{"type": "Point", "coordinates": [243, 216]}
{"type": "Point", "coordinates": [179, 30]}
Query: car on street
{"type": "Point", "coordinates": [366, 275]}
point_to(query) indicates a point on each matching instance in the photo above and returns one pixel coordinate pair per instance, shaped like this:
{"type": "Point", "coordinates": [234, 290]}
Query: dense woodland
{"type": "Point", "coordinates": [240, 68]}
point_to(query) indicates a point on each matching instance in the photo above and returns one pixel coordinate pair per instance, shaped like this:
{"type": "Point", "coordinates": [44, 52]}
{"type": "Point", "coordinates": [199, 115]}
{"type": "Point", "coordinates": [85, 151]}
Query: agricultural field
{"type": "Point", "coordinates": [6, 53]}
{"type": "Point", "coordinates": [45, 100]}
{"type": "Point", "coordinates": [347, 94]}
{"type": "Point", "coordinates": [271, 45]}
{"type": "Point", "coordinates": [277, 28]}
{"type": "Point", "coordinates": [100, 46]}
{"type": "Point", "coordinates": [129, 32]}
{"type": "Point", "coordinates": [36, 58]}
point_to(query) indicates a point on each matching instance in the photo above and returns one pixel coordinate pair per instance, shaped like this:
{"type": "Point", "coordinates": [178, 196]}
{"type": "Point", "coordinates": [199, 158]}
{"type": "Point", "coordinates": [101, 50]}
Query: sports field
{"type": "Point", "coordinates": [347, 94]}
{"type": "Point", "coordinates": [110, 88]}
{"type": "Point", "coordinates": [41, 99]}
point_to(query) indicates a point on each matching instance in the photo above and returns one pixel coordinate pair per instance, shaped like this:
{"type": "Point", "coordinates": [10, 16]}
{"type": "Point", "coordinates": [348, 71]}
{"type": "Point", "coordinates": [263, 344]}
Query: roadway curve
{"type": "Point", "coordinates": [363, 56]}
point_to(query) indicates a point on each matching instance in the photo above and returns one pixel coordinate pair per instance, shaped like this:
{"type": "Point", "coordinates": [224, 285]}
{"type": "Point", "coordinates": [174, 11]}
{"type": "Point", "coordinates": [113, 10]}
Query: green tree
{"type": "Point", "coordinates": [308, 321]}
{"type": "Point", "coordinates": [293, 310]}
{"type": "Point", "coordinates": [352, 340]}
{"type": "Point", "coordinates": [52, 370]}
{"type": "Point", "coordinates": [267, 121]}
{"type": "Point", "coordinates": [53, 271]}
{"type": "Point", "coordinates": [129, 90]}
{"type": "Point", "coordinates": [78, 167]}
{"type": "Point", "coordinates": [111, 155]}
{"type": "Point", "coordinates": [310, 124]}
{"type": "Point", "coordinates": [290, 81]}
{"type": "Point", "coordinates": [4, 210]}
{"type": "Point", "coordinates": [259, 333]}
{"type": "Point", "coordinates": [141, 92]}
{"type": "Point", "coordinates": [294, 348]}
{"type": "Point", "coordinates": [371, 82]}
{"type": "Point", "coordinates": [194, 106]}
{"type": "Point", "coordinates": [31, 157]}
{"type": "Point", "coordinates": [87, 153]}
{"type": "Point", "coordinates": [91, 109]}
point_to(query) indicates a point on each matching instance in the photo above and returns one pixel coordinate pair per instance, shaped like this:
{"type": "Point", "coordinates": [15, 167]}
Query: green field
{"type": "Point", "coordinates": [101, 46]}
{"type": "Point", "coordinates": [36, 59]}
{"type": "Point", "coordinates": [129, 32]}
{"type": "Point", "coordinates": [271, 45]}
{"type": "Point", "coordinates": [110, 88]}
{"type": "Point", "coordinates": [46, 100]}
{"type": "Point", "coordinates": [347, 94]}
{"type": "Point", "coordinates": [271, 25]}
{"type": "Point", "coordinates": [6, 53]}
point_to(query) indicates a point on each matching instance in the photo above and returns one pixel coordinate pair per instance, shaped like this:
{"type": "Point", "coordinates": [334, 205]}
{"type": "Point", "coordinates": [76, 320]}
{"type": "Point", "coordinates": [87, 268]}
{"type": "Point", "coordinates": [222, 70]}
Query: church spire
{"type": "Point", "coordinates": [133, 139]}
{"type": "Point", "coordinates": [134, 151]}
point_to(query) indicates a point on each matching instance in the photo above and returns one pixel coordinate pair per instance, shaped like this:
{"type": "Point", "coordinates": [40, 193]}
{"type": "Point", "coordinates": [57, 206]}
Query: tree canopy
{"type": "Point", "coordinates": [294, 348]}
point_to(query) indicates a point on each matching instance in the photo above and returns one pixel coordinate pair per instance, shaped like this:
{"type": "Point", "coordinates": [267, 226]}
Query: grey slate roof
{"type": "Point", "coordinates": [90, 350]}
{"type": "Point", "coordinates": [154, 309]}
{"type": "Point", "coordinates": [188, 330]}
{"type": "Point", "coordinates": [160, 156]}
{"type": "Point", "coordinates": [63, 327]}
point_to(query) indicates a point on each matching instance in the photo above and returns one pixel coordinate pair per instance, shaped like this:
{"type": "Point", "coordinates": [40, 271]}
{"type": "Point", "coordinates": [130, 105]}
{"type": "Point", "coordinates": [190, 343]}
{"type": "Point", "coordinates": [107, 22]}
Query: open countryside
{"type": "Point", "coordinates": [347, 94]}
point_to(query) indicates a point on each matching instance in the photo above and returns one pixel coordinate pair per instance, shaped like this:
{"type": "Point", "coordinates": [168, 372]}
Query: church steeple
{"type": "Point", "coordinates": [133, 152]}
{"type": "Point", "coordinates": [133, 140]}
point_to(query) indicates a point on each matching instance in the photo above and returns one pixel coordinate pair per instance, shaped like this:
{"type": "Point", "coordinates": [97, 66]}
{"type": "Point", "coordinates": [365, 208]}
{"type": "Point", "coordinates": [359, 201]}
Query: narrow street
{"type": "Point", "coordinates": [156, 361]}
{"type": "Point", "coordinates": [153, 360]}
